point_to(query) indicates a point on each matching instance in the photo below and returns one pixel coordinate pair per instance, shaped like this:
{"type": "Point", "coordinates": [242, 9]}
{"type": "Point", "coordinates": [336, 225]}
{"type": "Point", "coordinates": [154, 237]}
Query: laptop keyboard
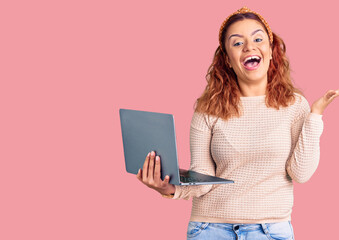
{"type": "Point", "coordinates": [188, 179]}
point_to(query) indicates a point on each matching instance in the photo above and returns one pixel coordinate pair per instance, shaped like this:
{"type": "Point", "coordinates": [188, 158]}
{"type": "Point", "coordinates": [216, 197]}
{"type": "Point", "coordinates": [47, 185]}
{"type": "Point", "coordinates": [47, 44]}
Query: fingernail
{"type": "Point", "coordinates": [139, 171]}
{"type": "Point", "coordinates": [152, 153]}
{"type": "Point", "coordinates": [148, 154]}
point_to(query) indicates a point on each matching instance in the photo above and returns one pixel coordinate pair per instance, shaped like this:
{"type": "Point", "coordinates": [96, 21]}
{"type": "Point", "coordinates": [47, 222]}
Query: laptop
{"type": "Point", "coordinates": [143, 132]}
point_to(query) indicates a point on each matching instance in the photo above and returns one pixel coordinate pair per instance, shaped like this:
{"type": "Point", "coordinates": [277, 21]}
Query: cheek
{"type": "Point", "coordinates": [234, 57]}
{"type": "Point", "coordinates": [266, 50]}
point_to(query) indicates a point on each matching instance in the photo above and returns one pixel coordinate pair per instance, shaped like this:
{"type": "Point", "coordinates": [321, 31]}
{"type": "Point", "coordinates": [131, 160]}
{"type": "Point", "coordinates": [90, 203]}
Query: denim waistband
{"type": "Point", "coordinates": [242, 227]}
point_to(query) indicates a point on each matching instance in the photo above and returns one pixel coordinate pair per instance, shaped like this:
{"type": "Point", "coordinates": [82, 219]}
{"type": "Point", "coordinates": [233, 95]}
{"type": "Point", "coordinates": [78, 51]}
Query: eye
{"type": "Point", "coordinates": [258, 40]}
{"type": "Point", "coordinates": [237, 44]}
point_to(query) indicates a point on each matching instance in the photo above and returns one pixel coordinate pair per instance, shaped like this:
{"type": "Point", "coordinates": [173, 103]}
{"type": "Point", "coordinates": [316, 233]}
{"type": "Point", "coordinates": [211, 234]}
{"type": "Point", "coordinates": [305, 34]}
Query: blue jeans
{"type": "Point", "coordinates": [227, 231]}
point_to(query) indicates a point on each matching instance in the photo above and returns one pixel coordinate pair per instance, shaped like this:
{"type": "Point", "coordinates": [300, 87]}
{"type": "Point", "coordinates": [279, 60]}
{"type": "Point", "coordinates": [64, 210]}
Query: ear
{"type": "Point", "coordinates": [228, 62]}
{"type": "Point", "coordinates": [270, 52]}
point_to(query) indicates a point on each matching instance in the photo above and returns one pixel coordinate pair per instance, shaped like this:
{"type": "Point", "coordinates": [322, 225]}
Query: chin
{"type": "Point", "coordinates": [256, 77]}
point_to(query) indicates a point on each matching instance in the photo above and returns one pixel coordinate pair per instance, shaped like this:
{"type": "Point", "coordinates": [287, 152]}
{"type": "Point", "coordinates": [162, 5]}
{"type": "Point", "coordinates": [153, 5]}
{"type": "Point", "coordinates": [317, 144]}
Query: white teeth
{"type": "Point", "coordinates": [251, 57]}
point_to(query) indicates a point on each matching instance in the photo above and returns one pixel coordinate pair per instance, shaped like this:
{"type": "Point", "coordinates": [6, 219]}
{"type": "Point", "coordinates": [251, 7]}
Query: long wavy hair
{"type": "Point", "coordinates": [221, 97]}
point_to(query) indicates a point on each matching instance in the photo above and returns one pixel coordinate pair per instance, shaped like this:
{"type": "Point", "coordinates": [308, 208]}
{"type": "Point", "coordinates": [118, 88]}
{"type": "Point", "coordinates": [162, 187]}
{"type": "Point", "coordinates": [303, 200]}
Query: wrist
{"type": "Point", "coordinates": [168, 191]}
{"type": "Point", "coordinates": [317, 112]}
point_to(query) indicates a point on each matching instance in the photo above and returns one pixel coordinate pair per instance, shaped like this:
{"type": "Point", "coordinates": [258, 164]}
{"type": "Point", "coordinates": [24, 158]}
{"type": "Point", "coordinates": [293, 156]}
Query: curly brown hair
{"type": "Point", "coordinates": [221, 97]}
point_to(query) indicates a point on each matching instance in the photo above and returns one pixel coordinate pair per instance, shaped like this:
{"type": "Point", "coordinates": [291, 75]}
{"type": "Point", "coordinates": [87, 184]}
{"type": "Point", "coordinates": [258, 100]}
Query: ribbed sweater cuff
{"type": "Point", "coordinates": [315, 116]}
{"type": "Point", "coordinates": [177, 192]}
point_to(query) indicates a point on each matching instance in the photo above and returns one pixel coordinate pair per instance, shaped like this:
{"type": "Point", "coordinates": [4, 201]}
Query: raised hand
{"type": "Point", "coordinates": [319, 105]}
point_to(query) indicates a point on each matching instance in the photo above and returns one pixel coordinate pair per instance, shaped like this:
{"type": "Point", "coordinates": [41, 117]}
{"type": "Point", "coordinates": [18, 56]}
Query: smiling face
{"type": "Point", "coordinates": [248, 48]}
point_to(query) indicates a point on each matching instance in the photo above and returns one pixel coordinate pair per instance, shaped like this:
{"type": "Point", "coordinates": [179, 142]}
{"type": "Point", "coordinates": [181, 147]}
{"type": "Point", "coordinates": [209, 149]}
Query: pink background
{"type": "Point", "coordinates": [68, 66]}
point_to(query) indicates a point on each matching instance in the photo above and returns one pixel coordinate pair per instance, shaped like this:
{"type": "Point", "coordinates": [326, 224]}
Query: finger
{"type": "Point", "coordinates": [151, 166]}
{"type": "Point", "coordinates": [331, 95]}
{"type": "Point", "coordinates": [157, 169]}
{"type": "Point", "coordinates": [166, 181]}
{"type": "Point", "coordinates": [139, 175]}
{"type": "Point", "coordinates": [145, 168]}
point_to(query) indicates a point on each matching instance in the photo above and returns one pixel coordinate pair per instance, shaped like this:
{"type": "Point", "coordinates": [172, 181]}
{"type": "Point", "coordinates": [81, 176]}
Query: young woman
{"type": "Point", "coordinates": [250, 125]}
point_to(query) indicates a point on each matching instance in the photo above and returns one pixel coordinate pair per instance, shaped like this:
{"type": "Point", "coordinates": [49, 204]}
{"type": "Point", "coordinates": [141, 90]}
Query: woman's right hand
{"type": "Point", "coordinates": [150, 175]}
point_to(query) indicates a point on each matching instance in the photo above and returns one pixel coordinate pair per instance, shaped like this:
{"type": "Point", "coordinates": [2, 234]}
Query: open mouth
{"type": "Point", "coordinates": [252, 62]}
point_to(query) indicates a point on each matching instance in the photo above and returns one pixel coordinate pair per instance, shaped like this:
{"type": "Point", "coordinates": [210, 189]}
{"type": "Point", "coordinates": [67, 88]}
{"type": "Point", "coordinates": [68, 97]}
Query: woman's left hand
{"type": "Point", "coordinates": [320, 105]}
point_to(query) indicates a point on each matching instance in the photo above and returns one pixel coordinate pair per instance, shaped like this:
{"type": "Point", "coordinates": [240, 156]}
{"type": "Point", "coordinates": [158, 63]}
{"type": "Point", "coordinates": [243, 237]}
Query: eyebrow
{"type": "Point", "coordinates": [238, 35]}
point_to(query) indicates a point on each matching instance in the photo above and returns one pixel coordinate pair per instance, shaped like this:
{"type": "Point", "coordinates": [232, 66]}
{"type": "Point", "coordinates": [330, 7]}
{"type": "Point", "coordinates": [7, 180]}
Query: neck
{"type": "Point", "coordinates": [250, 89]}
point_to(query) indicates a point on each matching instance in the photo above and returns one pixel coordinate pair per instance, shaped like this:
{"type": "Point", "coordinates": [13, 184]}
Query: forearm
{"type": "Point", "coordinates": [187, 192]}
{"type": "Point", "coordinates": [201, 159]}
{"type": "Point", "coordinates": [305, 157]}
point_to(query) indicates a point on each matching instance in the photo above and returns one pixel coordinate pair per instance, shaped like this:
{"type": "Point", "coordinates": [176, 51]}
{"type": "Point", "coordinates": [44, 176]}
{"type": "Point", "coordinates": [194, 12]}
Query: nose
{"type": "Point", "coordinates": [248, 46]}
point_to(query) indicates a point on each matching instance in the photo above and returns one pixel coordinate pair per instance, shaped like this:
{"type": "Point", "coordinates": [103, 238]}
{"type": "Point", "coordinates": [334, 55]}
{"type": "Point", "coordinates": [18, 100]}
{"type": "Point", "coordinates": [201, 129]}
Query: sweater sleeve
{"type": "Point", "coordinates": [201, 159]}
{"type": "Point", "coordinates": [306, 130]}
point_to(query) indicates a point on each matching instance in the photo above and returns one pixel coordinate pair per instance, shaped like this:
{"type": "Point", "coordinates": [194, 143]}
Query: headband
{"type": "Point", "coordinates": [245, 10]}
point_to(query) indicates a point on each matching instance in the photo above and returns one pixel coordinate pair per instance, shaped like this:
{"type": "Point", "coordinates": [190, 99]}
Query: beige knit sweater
{"type": "Point", "coordinates": [262, 151]}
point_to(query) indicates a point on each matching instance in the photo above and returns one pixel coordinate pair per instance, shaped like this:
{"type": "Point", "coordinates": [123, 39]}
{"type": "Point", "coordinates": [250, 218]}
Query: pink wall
{"type": "Point", "coordinates": [68, 66]}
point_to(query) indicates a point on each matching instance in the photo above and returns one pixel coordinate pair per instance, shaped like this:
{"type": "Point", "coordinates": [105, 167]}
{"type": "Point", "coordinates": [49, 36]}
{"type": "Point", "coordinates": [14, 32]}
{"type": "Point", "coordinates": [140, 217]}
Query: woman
{"type": "Point", "coordinates": [252, 126]}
